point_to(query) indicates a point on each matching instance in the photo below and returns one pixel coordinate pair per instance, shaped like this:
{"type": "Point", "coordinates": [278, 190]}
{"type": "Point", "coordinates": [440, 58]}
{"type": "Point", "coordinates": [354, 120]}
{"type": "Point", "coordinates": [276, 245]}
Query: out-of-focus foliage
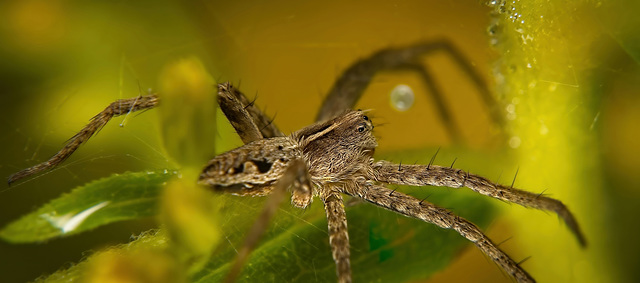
{"type": "Point", "coordinates": [561, 68]}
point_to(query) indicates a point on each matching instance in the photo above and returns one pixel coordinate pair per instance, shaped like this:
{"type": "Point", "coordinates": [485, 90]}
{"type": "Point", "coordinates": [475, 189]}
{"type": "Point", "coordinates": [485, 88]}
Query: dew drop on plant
{"type": "Point", "coordinates": [402, 97]}
{"type": "Point", "coordinates": [69, 222]}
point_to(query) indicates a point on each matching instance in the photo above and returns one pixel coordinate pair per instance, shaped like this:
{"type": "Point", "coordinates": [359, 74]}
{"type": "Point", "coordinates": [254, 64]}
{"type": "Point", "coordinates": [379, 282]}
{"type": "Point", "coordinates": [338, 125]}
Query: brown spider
{"type": "Point", "coordinates": [331, 158]}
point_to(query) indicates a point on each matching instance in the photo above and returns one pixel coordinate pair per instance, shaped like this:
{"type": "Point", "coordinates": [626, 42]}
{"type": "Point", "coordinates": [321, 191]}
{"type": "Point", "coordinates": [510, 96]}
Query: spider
{"type": "Point", "coordinates": [334, 157]}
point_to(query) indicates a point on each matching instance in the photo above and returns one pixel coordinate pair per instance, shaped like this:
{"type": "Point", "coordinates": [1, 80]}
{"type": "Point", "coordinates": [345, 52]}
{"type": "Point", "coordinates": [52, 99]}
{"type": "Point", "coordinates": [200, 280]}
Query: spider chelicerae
{"type": "Point", "coordinates": [334, 157]}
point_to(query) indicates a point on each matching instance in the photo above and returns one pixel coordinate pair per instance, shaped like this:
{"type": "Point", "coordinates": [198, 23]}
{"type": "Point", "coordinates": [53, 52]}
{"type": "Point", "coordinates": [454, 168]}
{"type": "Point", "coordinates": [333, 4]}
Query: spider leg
{"type": "Point", "coordinates": [348, 89]}
{"type": "Point", "coordinates": [433, 175]}
{"type": "Point", "coordinates": [248, 120]}
{"type": "Point", "coordinates": [250, 123]}
{"type": "Point", "coordinates": [338, 234]}
{"type": "Point", "coordinates": [428, 212]}
{"type": "Point", "coordinates": [296, 176]}
{"type": "Point", "coordinates": [117, 108]}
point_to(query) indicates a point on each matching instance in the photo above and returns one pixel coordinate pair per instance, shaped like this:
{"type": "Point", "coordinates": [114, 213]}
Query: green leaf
{"type": "Point", "coordinates": [115, 198]}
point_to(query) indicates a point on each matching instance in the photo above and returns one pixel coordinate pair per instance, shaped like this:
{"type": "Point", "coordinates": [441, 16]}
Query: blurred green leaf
{"type": "Point", "coordinates": [151, 241]}
{"type": "Point", "coordinates": [115, 198]}
{"type": "Point", "coordinates": [620, 22]}
{"type": "Point", "coordinates": [188, 112]}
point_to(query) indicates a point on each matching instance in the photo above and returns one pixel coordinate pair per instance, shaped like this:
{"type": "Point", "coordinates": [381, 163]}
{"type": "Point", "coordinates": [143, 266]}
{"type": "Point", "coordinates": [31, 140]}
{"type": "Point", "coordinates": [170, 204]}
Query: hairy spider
{"type": "Point", "coordinates": [334, 157]}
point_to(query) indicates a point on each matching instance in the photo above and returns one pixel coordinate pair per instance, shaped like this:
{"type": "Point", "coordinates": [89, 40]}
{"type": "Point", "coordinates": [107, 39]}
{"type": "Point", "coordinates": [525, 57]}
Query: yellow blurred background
{"type": "Point", "coordinates": [64, 61]}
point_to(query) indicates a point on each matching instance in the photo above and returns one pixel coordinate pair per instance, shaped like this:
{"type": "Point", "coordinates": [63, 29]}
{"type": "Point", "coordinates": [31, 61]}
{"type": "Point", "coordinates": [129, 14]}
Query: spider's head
{"type": "Point", "coordinates": [350, 131]}
{"type": "Point", "coordinates": [362, 129]}
{"type": "Point", "coordinates": [342, 145]}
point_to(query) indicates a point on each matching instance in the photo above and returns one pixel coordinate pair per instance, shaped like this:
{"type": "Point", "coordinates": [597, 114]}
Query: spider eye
{"type": "Point", "coordinates": [361, 129]}
{"type": "Point", "coordinates": [365, 118]}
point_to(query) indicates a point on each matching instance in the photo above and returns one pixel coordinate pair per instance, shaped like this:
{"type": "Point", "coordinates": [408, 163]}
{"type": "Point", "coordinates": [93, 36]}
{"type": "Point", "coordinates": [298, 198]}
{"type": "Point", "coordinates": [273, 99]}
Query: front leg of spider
{"type": "Point", "coordinates": [338, 233]}
{"type": "Point", "coordinates": [250, 123]}
{"type": "Point", "coordinates": [117, 108]}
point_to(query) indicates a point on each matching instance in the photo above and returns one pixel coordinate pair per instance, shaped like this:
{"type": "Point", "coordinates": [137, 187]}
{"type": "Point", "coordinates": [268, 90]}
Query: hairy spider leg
{"type": "Point", "coordinates": [428, 212]}
{"type": "Point", "coordinates": [433, 175]}
{"type": "Point", "coordinates": [350, 86]}
{"type": "Point", "coordinates": [117, 108]}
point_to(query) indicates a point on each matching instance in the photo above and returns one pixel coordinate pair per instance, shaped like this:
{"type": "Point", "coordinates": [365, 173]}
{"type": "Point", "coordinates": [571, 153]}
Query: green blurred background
{"type": "Point", "coordinates": [577, 127]}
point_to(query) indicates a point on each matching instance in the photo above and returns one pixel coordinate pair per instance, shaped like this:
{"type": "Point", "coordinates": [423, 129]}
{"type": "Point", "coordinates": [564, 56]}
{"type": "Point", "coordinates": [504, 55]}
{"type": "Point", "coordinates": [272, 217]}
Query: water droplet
{"type": "Point", "coordinates": [402, 97]}
{"type": "Point", "coordinates": [69, 222]}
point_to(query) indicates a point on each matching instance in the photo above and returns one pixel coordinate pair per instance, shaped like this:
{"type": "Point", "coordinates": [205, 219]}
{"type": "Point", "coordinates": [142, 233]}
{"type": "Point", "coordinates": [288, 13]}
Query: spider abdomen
{"type": "Point", "coordinates": [259, 163]}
